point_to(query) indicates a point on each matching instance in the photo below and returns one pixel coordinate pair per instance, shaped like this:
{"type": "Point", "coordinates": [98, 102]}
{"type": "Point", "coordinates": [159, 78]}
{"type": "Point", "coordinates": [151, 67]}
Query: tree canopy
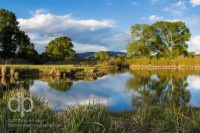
{"type": "Point", "coordinates": [8, 30]}
{"type": "Point", "coordinates": [163, 38]}
{"type": "Point", "coordinates": [12, 39]}
{"type": "Point", "coordinates": [25, 47]}
{"type": "Point", "coordinates": [101, 55]}
{"type": "Point", "coordinates": [60, 48]}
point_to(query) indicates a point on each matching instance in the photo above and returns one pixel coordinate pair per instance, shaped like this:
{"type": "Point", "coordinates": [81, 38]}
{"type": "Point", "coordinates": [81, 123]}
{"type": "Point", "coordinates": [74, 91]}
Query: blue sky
{"type": "Point", "coordinates": [97, 25]}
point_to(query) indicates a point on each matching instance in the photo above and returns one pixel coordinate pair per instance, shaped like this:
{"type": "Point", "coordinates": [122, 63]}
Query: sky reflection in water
{"type": "Point", "coordinates": [122, 92]}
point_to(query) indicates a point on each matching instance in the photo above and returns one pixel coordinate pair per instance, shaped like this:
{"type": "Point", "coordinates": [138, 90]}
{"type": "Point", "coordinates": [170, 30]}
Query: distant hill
{"type": "Point", "coordinates": [90, 54]}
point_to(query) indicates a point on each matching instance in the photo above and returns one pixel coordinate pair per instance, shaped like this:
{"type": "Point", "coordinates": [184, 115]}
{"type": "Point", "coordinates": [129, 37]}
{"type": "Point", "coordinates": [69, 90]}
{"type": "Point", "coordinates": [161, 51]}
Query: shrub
{"type": "Point", "coordinates": [57, 73]}
{"type": "Point", "coordinates": [53, 71]}
{"type": "Point", "coordinates": [16, 75]}
{"type": "Point", "coordinates": [3, 71]}
{"type": "Point", "coordinates": [12, 72]}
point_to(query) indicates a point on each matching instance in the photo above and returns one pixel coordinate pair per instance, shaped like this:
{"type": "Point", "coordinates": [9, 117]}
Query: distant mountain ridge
{"type": "Point", "coordinates": [91, 54]}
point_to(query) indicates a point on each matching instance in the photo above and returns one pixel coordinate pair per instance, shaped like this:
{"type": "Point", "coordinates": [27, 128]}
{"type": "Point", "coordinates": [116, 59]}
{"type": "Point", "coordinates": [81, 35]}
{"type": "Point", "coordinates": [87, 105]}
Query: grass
{"type": "Point", "coordinates": [26, 70]}
{"type": "Point", "coordinates": [95, 118]}
{"type": "Point", "coordinates": [183, 62]}
{"type": "Point", "coordinates": [43, 119]}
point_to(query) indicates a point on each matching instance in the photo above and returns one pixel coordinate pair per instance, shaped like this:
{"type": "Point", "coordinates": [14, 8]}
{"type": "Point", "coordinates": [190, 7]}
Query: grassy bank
{"type": "Point", "coordinates": [179, 62]}
{"type": "Point", "coordinates": [52, 70]}
{"type": "Point", "coordinates": [95, 118]}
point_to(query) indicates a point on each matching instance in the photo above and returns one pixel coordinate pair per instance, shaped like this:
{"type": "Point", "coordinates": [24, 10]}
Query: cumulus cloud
{"type": "Point", "coordinates": [43, 26]}
{"type": "Point", "coordinates": [194, 82]}
{"type": "Point", "coordinates": [195, 2]}
{"type": "Point", "coordinates": [194, 44]}
{"type": "Point", "coordinates": [52, 23]}
{"type": "Point", "coordinates": [155, 17]}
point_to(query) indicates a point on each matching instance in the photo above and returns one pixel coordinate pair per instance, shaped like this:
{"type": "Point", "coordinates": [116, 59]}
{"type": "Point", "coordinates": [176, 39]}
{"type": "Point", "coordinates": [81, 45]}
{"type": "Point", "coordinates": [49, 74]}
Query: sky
{"type": "Point", "coordinates": [99, 25]}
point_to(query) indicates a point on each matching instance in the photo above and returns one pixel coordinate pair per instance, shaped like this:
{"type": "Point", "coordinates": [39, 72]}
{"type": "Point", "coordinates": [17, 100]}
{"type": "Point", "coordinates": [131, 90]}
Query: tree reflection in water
{"type": "Point", "coordinates": [153, 88]}
{"type": "Point", "coordinates": [9, 83]}
{"type": "Point", "coordinates": [60, 85]}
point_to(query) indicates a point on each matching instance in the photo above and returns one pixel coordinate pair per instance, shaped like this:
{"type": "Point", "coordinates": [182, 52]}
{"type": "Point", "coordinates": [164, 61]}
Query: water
{"type": "Point", "coordinates": [120, 92]}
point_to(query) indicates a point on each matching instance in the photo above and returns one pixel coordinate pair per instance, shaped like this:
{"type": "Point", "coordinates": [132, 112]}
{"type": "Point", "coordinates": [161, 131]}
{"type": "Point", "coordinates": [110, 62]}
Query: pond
{"type": "Point", "coordinates": [119, 92]}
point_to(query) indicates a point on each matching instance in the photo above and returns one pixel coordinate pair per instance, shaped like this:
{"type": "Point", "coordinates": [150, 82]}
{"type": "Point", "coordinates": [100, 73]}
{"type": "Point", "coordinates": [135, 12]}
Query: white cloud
{"type": "Point", "coordinates": [51, 23]}
{"type": "Point", "coordinates": [194, 82]}
{"type": "Point", "coordinates": [89, 47]}
{"type": "Point", "coordinates": [181, 5]}
{"type": "Point", "coordinates": [155, 18]}
{"type": "Point", "coordinates": [195, 2]}
{"type": "Point", "coordinates": [92, 34]}
{"type": "Point", "coordinates": [194, 44]}
{"type": "Point", "coordinates": [176, 8]}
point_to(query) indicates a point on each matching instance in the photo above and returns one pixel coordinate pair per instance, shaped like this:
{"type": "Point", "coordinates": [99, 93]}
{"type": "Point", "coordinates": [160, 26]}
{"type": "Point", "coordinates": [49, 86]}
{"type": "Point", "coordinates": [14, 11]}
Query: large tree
{"type": "Point", "coordinates": [60, 48]}
{"type": "Point", "coordinates": [162, 38]}
{"type": "Point", "coordinates": [12, 39]}
{"type": "Point", "coordinates": [8, 30]}
{"type": "Point", "coordinates": [174, 36]}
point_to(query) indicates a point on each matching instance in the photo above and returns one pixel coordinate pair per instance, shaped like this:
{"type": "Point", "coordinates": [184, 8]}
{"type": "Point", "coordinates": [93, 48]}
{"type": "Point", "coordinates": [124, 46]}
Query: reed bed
{"type": "Point", "coordinates": [165, 63]}
{"type": "Point", "coordinates": [54, 70]}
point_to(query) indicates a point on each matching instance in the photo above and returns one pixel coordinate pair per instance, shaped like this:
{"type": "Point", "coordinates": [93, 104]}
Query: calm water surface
{"type": "Point", "coordinates": [121, 92]}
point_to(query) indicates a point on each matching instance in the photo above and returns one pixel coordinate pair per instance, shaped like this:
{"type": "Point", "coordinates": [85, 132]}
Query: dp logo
{"type": "Point", "coordinates": [20, 104]}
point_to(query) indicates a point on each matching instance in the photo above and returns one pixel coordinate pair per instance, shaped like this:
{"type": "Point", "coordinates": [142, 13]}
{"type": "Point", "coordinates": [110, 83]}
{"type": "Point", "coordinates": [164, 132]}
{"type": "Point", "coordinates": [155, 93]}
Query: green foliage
{"type": "Point", "coordinates": [119, 62]}
{"type": "Point", "coordinates": [12, 39]}
{"type": "Point", "coordinates": [60, 85]}
{"type": "Point", "coordinates": [25, 47]}
{"type": "Point", "coordinates": [164, 39]}
{"type": "Point", "coordinates": [101, 55]}
{"type": "Point", "coordinates": [60, 48]}
{"type": "Point", "coordinates": [87, 58]}
{"type": "Point", "coordinates": [8, 30]}
{"type": "Point", "coordinates": [136, 49]}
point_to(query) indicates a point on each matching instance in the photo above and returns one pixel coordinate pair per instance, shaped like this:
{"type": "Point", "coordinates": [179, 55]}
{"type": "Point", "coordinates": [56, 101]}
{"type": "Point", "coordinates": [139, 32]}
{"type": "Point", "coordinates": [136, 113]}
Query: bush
{"type": "Point", "coordinates": [114, 61]}
{"type": "Point", "coordinates": [3, 71]}
{"type": "Point", "coordinates": [16, 75]}
{"type": "Point", "coordinates": [12, 72]}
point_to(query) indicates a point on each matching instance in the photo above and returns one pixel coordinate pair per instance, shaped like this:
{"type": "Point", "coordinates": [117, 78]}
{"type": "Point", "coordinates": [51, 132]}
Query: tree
{"type": "Point", "coordinates": [162, 39]}
{"type": "Point", "coordinates": [136, 49]}
{"type": "Point", "coordinates": [174, 36]}
{"type": "Point", "coordinates": [101, 55]}
{"type": "Point", "coordinates": [60, 48]}
{"type": "Point", "coordinates": [25, 48]}
{"type": "Point", "coordinates": [159, 90]}
{"type": "Point", "coordinates": [8, 30]}
{"type": "Point", "coordinates": [12, 39]}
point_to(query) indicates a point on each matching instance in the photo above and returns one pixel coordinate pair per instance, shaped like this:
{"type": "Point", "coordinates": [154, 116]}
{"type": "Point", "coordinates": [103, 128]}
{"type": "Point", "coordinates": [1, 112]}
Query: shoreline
{"type": "Point", "coordinates": [168, 67]}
